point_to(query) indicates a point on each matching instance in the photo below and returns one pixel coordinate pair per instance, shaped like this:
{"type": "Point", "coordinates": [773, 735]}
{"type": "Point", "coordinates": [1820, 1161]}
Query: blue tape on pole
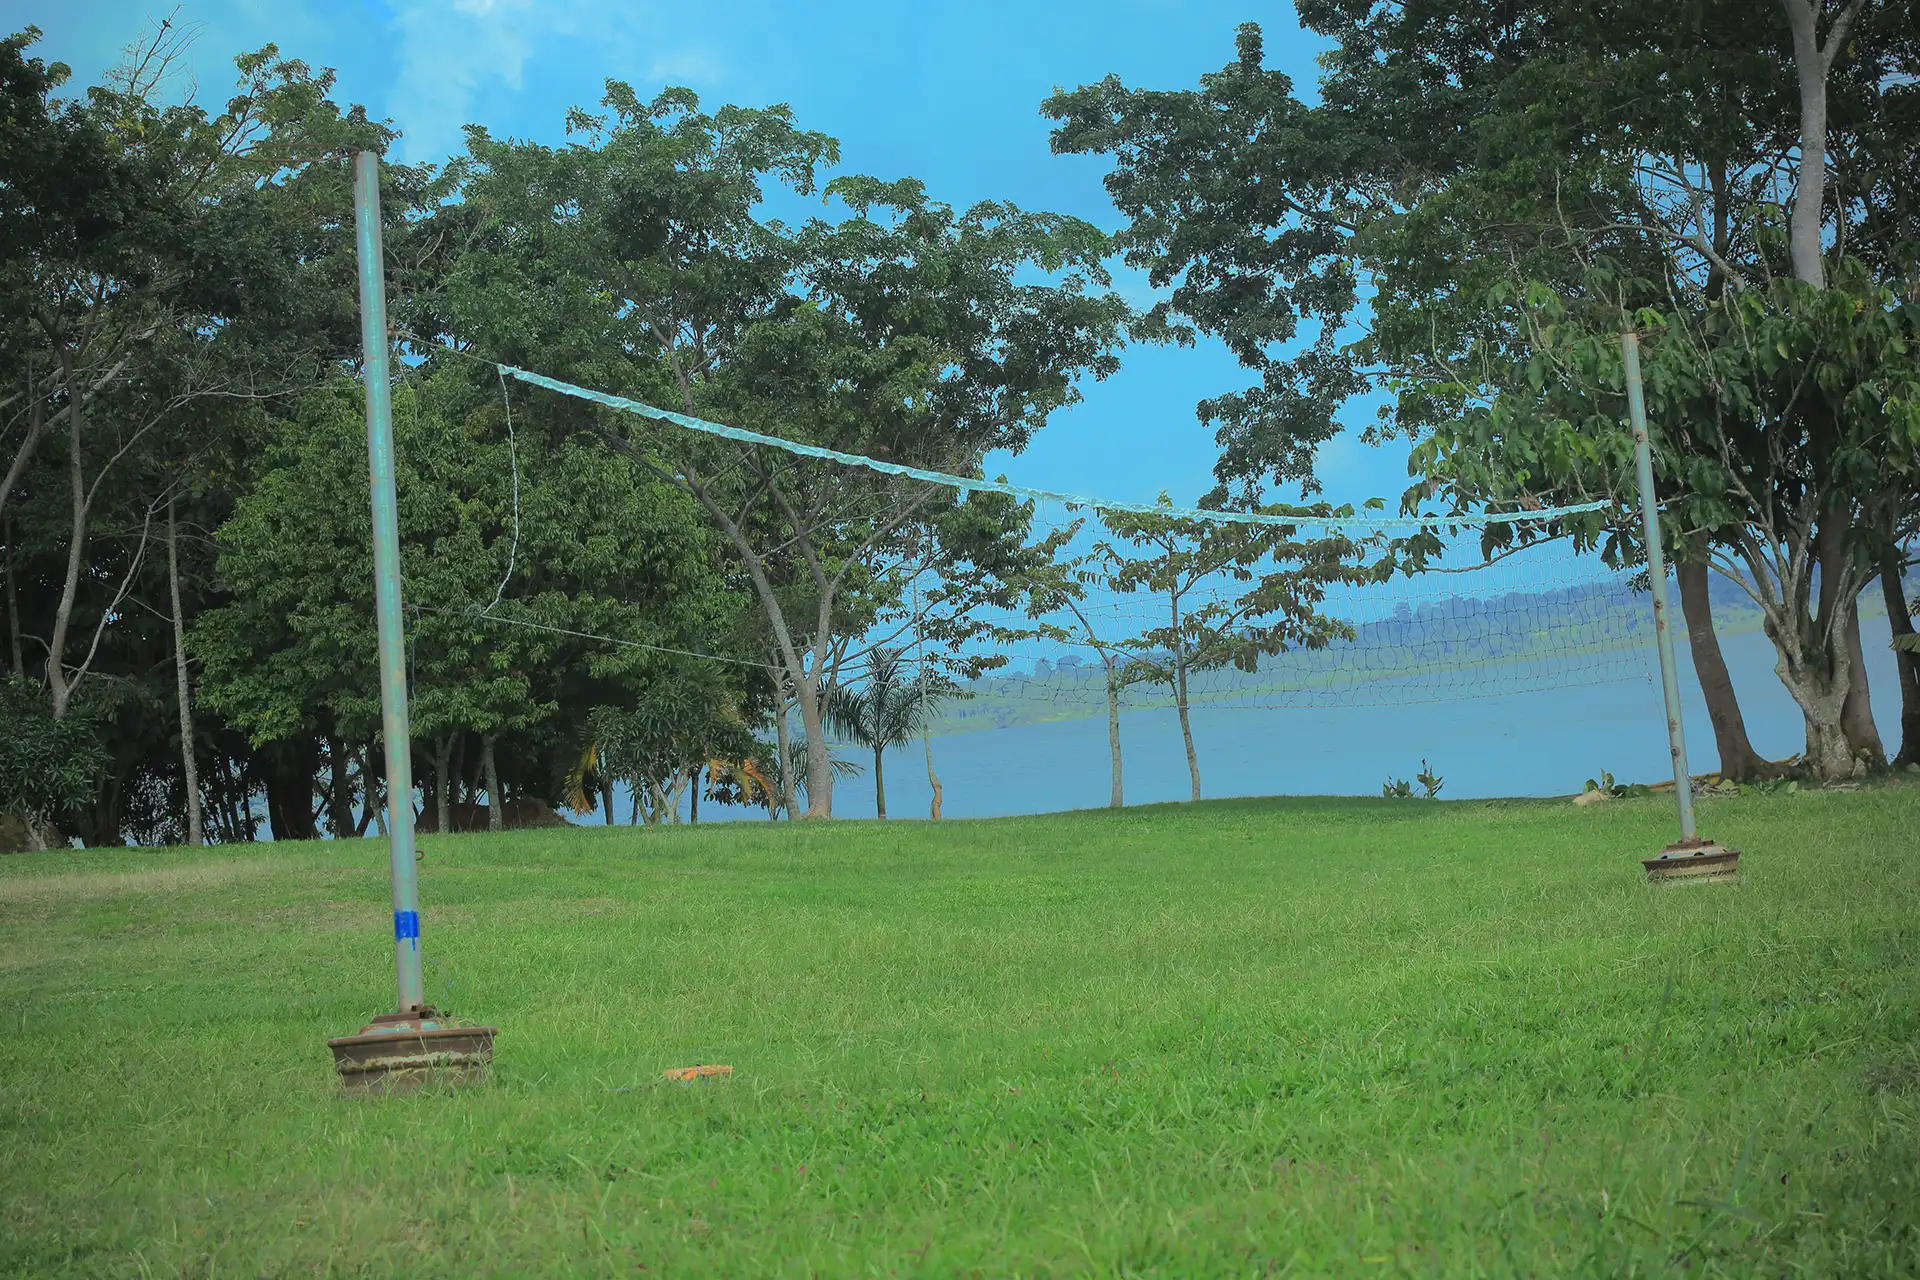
{"type": "Point", "coordinates": [406, 924]}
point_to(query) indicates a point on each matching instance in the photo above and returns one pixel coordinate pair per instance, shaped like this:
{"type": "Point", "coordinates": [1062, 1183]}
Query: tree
{"type": "Point", "coordinates": [503, 600]}
{"type": "Point", "coordinates": [1189, 559]}
{"type": "Point", "coordinates": [907, 331]}
{"type": "Point", "coordinates": [1906, 648]}
{"type": "Point", "coordinates": [1469, 164]}
{"type": "Point", "coordinates": [48, 764]}
{"type": "Point", "coordinates": [889, 709]}
{"type": "Point", "coordinates": [160, 271]}
{"type": "Point", "coordinates": [1065, 587]}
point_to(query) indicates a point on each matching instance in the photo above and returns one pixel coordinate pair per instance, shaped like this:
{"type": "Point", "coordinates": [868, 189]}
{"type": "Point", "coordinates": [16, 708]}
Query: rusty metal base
{"type": "Point", "coordinates": [1693, 862]}
{"type": "Point", "coordinates": [400, 1053]}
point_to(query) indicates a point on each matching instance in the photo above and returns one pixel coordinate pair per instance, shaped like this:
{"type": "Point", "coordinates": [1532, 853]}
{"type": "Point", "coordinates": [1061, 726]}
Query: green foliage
{"type": "Point", "coordinates": [592, 547]}
{"type": "Point", "coordinates": [1518, 184]}
{"type": "Point", "coordinates": [1401, 789]}
{"type": "Point", "coordinates": [638, 260]}
{"type": "Point", "coordinates": [1286, 579]}
{"type": "Point", "coordinates": [47, 766]}
{"type": "Point", "coordinates": [890, 707]}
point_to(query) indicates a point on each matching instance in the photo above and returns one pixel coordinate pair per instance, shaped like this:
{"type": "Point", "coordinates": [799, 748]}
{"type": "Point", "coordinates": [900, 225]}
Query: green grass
{"type": "Point", "coordinates": [1306, 1037]}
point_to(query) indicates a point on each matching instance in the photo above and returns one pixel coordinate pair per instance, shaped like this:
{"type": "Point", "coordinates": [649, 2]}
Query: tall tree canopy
{"type": "Point", "coordinates": [907, 330]}
{"type": "Point", "coordinates": [1480, 198]}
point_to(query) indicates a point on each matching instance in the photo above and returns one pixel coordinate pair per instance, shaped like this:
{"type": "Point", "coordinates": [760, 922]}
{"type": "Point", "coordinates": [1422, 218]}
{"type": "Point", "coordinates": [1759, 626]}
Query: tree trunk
{"type": "Point", "coordinates": [1118, 799]}
{"type": "Point", "coordinates": [1812, 61]}
{"type": "Point", "coordinates": [1856, 713]}
{"type": "Point", "coordinates": [339, 787]}
{"type": "Point", "coordinates": [606, 798]}
{"type": "Point", "coordinates": [1738, 759]}
{"type": "Point", "coordinates": [373, 788]}
{"type": "Point", "coordinates": [693, 791]}
{"type": "Point", "coordinates": [933, 779]}
{"type": "Point", "coordinates": [1186, 729]}
{"type": "Point", "coordinates": [57, 684]}
{"type": "Point", "coordinates": [290, 767]}
{"type": "Point", "coordinates": [1907, 664]}
{"type": "Point", "coordinates": [1180, 696]}
{"type": "Point", "coordinates": [36, 427]}
{"type": "Point", "coordinates": [819, 762]}
{"type": "Point", "coordinates": [1820, 695]}
{"type": "Point", "coordinates": [1839, 604]}
{"type": "Point", "coordinates": [496, 816]}
{"type": "Point", "coordinates": [466, 782]}
{"type": "Point", "coordinates": [189, 766]}
{"type": "Point", "coordinates": [788, 800]}
{"type": "Point", "coordinates": [879, 785]}
{"type": "Point", "coordinates": [13, 610]}
{"type": "Point", "coordinates": [369, 804]}
{"type": "Point", "coordinates": [443, 783]}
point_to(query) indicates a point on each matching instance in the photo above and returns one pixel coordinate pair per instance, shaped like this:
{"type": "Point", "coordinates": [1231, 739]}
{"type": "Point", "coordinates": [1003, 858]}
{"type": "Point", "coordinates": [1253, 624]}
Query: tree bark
{"type": "Point", "coordinates": [36, 427]}
{"type": "Point", "coordinates": [1907, 663]}
{"type": "Point", "coordinates": [368, 804]}
{"type": "Point", "coordinates": [606, 798]}
{"type": "Point", "coordinates": [57, 683]}
{"type": "Point", "coordinates": [1118, 799]}
{"type": "Point", "coordinates": [783, 739]}
{"type": "Point", "coordinates": [933, 779]}
{"type": "Point", "coordinates": [13, 610]}
{"type": "Point", "coordinates": [1812, 61]}
{"type": "Point", "coordinates": [189, 765]}
{"type": "Point", "coordinates": [442, 782]}
{"type": "Point", "coordinates": [1856, 713]}
{"type": "Point", "coordinates": [290, 767]}
{"type": "Point", "coordinates": [1839, 605]}
{"type": "Point", "coordinates": [339, 786]}
{"type": "Point", "coordinates": [819, 760]}
{"type": "Point", "coordinates": [373, 787]}
{"type": "Point", "coordinates": [879, 785]}
{"type": "Point", "coordinates": [1738, 759]}
{"type": "Point", "coordinates": [693, 794]}
{"type": "Point", "coordinates": [496, 816]}
{"type": "Point", "coordinates": [1180, 699]}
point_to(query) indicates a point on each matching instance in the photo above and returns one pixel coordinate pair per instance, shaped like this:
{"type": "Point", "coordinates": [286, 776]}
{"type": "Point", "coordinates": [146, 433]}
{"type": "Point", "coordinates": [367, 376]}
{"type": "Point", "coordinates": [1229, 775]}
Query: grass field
{"type": "Point", "coordinates": [1304, 1037]}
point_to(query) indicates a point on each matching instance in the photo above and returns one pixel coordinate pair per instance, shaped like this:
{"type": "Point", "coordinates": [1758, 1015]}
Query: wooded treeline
{"type": "Point", "coordinates": [1487, 194]}
{"type": "Point", "coordinates": [1491, 193]}
{"type": "Point", "coordinates": [185, 511]}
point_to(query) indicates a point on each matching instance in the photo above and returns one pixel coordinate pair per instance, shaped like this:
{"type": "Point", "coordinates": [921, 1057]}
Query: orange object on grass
{"type": "Point", "coordinates": [695, 1073]}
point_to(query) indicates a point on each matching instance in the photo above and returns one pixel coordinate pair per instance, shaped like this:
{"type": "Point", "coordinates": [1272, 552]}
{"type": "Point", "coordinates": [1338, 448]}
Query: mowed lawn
{"type": "Point", "coordinates": [1299, 1037]}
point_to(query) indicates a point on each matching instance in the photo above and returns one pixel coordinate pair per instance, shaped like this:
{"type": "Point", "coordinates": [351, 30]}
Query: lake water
{"type": "Point", "coordinates": [1526, 744]}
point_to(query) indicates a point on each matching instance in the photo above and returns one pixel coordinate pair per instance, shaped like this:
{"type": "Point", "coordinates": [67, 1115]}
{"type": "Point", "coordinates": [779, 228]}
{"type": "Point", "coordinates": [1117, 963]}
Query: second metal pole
{"type": "Point", "coordinates": [1657, 571]}
{"type": "Point", "coordinates": [386, 584]}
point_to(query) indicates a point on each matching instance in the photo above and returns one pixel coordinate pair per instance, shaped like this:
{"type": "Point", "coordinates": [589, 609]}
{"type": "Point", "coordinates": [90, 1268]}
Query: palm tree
{"type": "Point", "coordinates": [888, 710]}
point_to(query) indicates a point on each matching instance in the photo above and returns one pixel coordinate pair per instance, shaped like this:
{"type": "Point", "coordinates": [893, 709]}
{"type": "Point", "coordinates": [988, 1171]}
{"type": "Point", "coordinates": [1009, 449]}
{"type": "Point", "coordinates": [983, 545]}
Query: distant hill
{"type": "Point", "coordinates": [1439, 650]}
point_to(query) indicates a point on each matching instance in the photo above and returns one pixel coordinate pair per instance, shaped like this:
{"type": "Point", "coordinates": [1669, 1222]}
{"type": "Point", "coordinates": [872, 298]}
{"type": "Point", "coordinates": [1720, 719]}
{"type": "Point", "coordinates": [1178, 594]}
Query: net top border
{"type": "Point", "coordinates": [965, 484]}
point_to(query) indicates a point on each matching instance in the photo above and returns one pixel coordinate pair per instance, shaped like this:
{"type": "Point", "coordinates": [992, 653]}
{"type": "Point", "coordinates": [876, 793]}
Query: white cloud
{"type": "Point", "coordinates": [454, 55]}
{"type": "Point", "coordinates": [447, 55]}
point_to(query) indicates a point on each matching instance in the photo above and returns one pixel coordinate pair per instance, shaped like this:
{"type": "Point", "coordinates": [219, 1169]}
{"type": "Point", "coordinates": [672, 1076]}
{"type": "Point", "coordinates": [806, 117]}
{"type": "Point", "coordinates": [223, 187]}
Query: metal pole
{"type": "Point", "coordinates": [386, 584]}
{"type": "Point", "coordinates": [1657, 570]}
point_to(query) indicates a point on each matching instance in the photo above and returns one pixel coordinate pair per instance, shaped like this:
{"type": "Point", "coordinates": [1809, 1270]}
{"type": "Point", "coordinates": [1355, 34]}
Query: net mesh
{"type": "Point", "coordinates": [1086, 612]}
{"type": "Point", "coordinates": [1535, 622]}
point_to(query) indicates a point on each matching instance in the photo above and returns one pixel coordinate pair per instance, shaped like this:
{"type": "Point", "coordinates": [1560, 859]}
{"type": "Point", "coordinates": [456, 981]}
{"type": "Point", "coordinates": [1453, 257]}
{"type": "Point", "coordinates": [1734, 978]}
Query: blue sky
{"type": "Point", "coordinates": [948, 93]}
